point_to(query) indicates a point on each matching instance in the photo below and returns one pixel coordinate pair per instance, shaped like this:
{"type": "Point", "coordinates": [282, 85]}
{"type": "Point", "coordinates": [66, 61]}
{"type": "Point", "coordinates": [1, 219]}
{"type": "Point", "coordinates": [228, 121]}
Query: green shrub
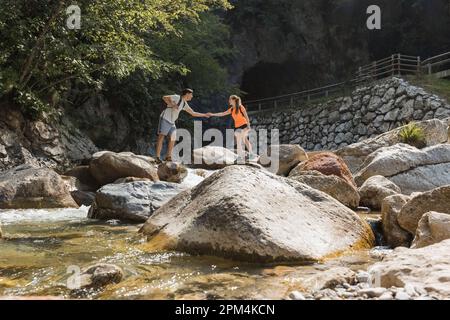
{"type": "Point", "coordinates": [31, 105]}
{"type": "Point", "coordinates": [413, 135]}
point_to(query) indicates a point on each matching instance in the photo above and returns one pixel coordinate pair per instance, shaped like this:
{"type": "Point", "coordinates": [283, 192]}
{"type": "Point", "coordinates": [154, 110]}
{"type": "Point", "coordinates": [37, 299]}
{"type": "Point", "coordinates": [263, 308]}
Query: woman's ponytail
{"type": "Point", "coordinates": [238, 103]}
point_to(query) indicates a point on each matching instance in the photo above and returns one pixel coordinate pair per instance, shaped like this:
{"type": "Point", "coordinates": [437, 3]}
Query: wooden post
{"type": "Point", "coordinates": [396, 64]}
{"type": "Point", "coordinates": [292, 102]}
{"type": "Point", "coordinates": [419, 67]}
{"type": "Point", "coordinates": [429, 69]}
{"type": "Point", "coordinates": [275, 105]}
{"type": "Point", "coordinates": [393, 64]}
{"type": "Point", "coordinates": [259, 107]}
{"type": "Point", "coordinates": [374, 72]}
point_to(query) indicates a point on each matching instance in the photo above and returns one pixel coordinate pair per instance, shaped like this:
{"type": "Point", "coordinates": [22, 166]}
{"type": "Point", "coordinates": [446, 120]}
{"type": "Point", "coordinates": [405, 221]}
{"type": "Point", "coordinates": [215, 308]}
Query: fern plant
{"type": "Point", "coordinates": [413, 135]}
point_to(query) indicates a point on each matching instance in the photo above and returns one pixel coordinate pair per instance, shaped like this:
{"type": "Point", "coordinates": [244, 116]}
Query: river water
{"type": "Point", "coordinates": [40, 247]}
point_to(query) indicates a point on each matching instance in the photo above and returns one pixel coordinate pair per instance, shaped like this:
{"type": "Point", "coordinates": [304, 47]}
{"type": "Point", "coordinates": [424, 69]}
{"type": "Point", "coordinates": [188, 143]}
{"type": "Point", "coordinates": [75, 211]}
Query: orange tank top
{"type": "Point", "coordinates": [239, 119]}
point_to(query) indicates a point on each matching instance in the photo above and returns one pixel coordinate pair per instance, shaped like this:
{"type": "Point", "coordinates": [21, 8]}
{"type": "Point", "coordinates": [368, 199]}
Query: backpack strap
{"type": "Point", "coordinates": [179, 102]}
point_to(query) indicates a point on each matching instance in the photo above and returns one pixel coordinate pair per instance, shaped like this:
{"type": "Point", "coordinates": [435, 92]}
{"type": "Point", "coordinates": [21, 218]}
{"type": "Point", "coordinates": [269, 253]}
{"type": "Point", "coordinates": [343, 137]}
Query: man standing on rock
{"type": "Point", "coordinates": [166, 128]}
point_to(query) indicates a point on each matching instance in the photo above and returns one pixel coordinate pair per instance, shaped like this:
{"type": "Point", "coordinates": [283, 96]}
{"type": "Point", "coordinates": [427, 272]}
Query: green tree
{"type": "Point", "coordinates": [40, 57]}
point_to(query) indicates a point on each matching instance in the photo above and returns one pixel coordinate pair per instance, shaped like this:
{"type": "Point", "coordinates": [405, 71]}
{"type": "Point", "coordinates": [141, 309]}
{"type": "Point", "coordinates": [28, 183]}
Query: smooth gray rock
{"type": "Point", "coordinates": [434, 227]}
{"type": "Point", "coordinates": [394, 235]}
{"type": "Point", "coordinates": [375, 189]}
{"type": "Point", "coordinates": [435, 200]}
{"type": "Point", "coordinates": [402, 159]}
{"type": "Point", "coordinates": [215, 218]}
{"type": "Point", "coordinates": [426, 267]}
{"type": "Point", "coordinates": [133, 202]}
{"type": "Point", "coordinates": [27, 187]}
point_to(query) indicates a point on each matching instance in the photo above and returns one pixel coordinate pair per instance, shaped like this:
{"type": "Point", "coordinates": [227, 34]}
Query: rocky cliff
{"type": "Point", "coordinates": [286, 46]}
{"type": "Point", "coordinates": [53, 143]}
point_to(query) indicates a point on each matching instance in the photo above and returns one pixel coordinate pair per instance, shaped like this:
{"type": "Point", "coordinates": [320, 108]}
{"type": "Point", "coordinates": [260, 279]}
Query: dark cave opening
{"type": "Point", "coordinates": [266, 79]}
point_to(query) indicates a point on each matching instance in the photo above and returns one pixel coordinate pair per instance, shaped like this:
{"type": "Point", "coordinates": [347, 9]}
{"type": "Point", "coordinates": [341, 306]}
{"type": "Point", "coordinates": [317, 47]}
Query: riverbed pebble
{"type": "Point", "coordinates": [296, 295]}
{"type": "Point", "coordinates": [363, 277]}
{"type": "Point", "coordinates": [372, 292]}
{"type": "Point", "coordinates": [401, 295]}
{"type": "Point", "coordinates": [355, 290]}
{"type": "Point", "coordinates": [388, 295]}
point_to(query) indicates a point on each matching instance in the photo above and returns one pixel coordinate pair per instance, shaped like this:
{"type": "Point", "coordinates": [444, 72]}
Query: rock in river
{"type": "Point", "coordinates": [436, 200]}
{"type": "Point", "coordinates": [434, 227]}
{"type": "Point", "coordinates": [287, 157]}
{"type": "Point", "coordinates": [328, 164]}
{"type": "Point", "coordinates": [332, 185]}
{"type": "Point", "coordinates": [83, 174]}
{"type": "Point", "coordinates": [394, 235]}
{"type": "Point", "coordinates": [234, 214]}
{"type": "Point", "coordinates": [99, 275]}
{"type": "Point", "coordinates": [172, 172]}
{"type": "Point", "coordinates": [411, 169]}
{"type": "Point", "coordinates": [375, 189]}
{"type": "Point", "coordinates": [27, 187]}
{"type": "Point", "coordinates": [134, 202]}
{"type": "Point", "coordinates": [426, 268]}
{"type": "Point", "coordinates": [107, 167]}
{"type": "Point", "coordinates": [213, 158]}
{"type": "Point", "coordinates": [354, 155]}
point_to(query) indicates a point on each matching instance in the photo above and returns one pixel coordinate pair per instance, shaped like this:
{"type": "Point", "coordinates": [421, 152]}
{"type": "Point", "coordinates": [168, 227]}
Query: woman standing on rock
{"type": "Point", "coordinates": [241, 124]}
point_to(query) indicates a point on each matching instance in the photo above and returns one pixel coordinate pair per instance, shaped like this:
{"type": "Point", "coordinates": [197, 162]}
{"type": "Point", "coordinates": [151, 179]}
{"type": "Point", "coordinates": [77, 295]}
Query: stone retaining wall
{"type": "Point", "coordinates": [368, 112]}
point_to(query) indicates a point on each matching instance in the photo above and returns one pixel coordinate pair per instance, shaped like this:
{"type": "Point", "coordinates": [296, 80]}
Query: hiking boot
{"type": "Point", "coordinates": [158, 161]}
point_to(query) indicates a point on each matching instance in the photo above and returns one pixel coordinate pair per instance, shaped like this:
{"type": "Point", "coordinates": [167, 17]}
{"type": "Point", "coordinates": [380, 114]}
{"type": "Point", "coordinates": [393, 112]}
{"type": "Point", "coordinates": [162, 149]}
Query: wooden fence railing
{"type": "Point", "coordinates": [438, 65]}
{"type": "Point", "coordinates": [395, 65]}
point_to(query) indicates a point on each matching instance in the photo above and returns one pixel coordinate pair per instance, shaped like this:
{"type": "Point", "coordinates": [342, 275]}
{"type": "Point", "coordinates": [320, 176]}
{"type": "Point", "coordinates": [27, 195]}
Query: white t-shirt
{"type": "Point", "coordinates": [171, 114]}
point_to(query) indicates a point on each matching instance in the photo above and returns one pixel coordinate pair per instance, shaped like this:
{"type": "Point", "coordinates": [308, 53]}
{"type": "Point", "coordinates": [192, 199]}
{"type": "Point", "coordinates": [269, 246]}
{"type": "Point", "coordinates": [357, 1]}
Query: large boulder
{"type": "Point", "coordinates": [332, 185]}
{"type": "Point", "coordinates": [436, 200]}
{"type": "Point", "coordinates": [328, 164]}
{"type": "Point", "coordinates": [213, 158]}
{"type": "Point", "coordinates": [411, 169]}
{"type": "Point", "coordinates": [83, 174]}
{"type": "Point", "coordinates": [27, 187]}
{"type": "Point", "coordinates": [394, 235]}
{"type": "Point", "coordinates": [132, 202]}
{"type": "Point", "coordinates": [234, 214]}
{"type": "Point", "coordinates": [426, 268]}
{"type": "Point", "coordinates": [83, 198]}
{"type": "Point", "coordinates": [375, 189]}
{"type": "Point", "coordinates": [283, 158]}
{"type": "Point", "coordinates": [172, 172]}
{"type": "Point", "coordinates": [354, 155]}
{"type": "Point", "coordinates": [109, 167]}
{"type": "Point", "coordinates": [434, 227]}
{"type": "Point", "coordinates": [423, 178]}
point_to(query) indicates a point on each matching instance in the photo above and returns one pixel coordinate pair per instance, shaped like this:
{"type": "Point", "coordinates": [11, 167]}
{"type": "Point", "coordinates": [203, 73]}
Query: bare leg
{"type": "Point", "coordinates": [247, 142]}
{"type": "Point", "coordinates": [239, 141]}
{"type": "Point", "coordinates": [159, 145]}
{"type": "Point", "coordinates": [172, 141]}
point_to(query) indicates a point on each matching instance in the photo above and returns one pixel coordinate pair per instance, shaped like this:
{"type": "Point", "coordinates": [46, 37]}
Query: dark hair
{"type": "Point", "coordinates": [186, 91]}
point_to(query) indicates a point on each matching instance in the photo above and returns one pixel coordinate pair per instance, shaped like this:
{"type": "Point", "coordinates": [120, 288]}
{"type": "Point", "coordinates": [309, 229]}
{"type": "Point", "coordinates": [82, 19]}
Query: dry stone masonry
{"type": "Point", "coordinates": [369, 111]}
